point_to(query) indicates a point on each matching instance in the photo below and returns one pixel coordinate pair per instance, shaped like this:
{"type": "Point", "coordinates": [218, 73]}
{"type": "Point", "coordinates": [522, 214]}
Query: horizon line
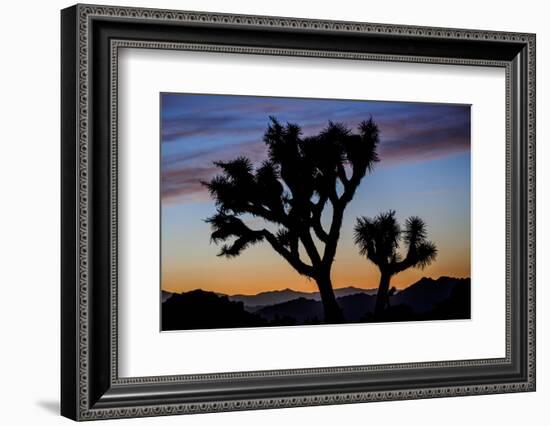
{"type": "Point", "coordinates": [311, 292]}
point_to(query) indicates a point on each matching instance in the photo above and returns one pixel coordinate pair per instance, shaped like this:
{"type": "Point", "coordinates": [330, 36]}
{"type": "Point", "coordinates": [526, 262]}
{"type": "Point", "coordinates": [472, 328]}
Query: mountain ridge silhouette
{"type": "Point", "coordinates": [428, 298]}
{"type": "Point", "coordinates": [287, 294]}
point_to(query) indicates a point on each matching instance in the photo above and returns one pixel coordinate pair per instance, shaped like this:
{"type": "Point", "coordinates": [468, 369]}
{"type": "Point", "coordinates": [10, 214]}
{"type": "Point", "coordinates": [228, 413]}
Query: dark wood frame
{"type": "Point", "coordinates": [90, 386]}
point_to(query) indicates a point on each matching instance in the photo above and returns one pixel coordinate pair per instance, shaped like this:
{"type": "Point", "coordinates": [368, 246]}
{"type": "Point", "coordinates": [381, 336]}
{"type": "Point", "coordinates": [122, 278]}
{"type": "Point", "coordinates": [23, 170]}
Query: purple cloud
{"type": "Point", "coordinates": [200, 129]}
{"type": "Point", "coordinates": [181, 175]}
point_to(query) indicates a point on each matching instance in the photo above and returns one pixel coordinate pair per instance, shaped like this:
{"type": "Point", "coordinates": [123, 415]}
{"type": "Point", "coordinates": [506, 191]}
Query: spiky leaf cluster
{"type": "Point", "coordinates": [379, 239]}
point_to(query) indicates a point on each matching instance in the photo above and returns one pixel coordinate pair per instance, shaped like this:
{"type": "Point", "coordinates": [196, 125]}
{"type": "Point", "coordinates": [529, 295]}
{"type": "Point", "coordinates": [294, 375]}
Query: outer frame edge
{"type": "Point", "coordinates": [69, 289]}
{"type": "Point", "coordinates": [84, 413]}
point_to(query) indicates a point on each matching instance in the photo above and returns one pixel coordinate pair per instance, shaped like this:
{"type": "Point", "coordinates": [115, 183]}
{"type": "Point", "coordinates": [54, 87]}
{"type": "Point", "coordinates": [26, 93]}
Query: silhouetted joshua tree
{"type": "Point", "coordinates": [378, 239]}
{"type": "Point", "coordinates": [290, 190]}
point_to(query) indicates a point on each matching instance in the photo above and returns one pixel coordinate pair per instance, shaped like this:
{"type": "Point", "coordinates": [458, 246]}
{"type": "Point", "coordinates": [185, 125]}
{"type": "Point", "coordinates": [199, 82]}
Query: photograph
{"type": "Point", "coordinates": [298, 212]}
{"type": "Point", "coordinates": [267, 209]}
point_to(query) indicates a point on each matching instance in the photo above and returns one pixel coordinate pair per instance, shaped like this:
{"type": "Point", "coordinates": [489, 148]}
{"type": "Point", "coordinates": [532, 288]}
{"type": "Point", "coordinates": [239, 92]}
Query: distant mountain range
{"type": "Point", "coordinates": [443, 298]}
{"type": "Point", "coordinates": [420, 298]}
{"type": "Point", "coordinates": [307, 311]}
{"type": "Point", "coordinates": [165, 295]}
{"type": "Point", "coordinates": [258, 301]}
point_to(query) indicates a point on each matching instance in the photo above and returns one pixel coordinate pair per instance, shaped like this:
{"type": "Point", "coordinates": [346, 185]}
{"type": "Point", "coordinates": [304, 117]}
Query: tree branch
{"type": "Point", "coordinates": [309, 246]}
{"type": "Point", "coordinates": [333, 197]}
{"type": "Point", "coordinates": [351, 186]}
{"type": "Point", "coordinates": [290, 257]}
{"type": "Point", "coordinates": [333, 235]}
{"type": "Point", "coordinates": [342, 174]}
{"type": "Point", "coordinates": [406, 263]}
{"type": "Point", "coordinates": [319, 231]}
{"type": "Point", "coordinates": [271, 216]}
{"type": "Point", "coordinates": [316, 212]}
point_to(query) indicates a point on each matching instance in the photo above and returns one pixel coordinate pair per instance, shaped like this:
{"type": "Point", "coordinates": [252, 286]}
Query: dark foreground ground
{"type": "Point", "coordinates": [428, 299]}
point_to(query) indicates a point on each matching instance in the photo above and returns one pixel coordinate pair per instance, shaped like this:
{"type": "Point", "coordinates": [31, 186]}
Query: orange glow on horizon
{"type": "Point", "coordinates": [229, 277]}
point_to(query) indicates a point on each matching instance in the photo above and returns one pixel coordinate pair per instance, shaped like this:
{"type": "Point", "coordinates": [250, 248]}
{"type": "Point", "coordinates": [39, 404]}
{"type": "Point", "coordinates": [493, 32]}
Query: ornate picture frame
{"type": "Point", "coordinates": [91, 37]}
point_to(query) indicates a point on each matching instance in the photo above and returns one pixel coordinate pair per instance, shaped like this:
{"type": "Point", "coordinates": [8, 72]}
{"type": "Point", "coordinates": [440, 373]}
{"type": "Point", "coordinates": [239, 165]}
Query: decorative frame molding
{"type": "Point", "coordinates": [91, 37]}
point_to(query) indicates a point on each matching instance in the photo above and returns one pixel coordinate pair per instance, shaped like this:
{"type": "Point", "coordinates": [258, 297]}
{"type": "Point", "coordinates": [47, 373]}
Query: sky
{"type": "Point", "coordinates": [424, 170]}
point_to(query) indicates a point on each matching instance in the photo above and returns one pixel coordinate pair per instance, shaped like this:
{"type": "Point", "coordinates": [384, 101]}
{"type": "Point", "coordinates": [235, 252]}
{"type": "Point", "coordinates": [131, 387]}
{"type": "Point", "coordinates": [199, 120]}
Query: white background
{"type": "Point", "coordinates": [142, 346]}
{"type": "Point", "coordinates": [29, 229]}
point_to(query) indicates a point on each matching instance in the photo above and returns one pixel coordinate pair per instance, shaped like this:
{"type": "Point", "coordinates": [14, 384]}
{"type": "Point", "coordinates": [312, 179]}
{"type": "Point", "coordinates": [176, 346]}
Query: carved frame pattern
{"type": "Point", "coordinates": [85, 409]}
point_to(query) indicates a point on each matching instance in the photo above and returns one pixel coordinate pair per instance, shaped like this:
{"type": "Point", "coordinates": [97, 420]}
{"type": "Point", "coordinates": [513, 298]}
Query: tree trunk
{"type": "Point", "coordinates": [333, 313]}
{"type": "Point", "coordinates": [382, 295]}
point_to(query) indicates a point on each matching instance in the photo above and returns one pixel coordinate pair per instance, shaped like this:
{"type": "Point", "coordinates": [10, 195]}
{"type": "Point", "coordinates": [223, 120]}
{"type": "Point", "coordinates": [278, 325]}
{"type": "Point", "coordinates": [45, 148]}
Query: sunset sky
{"type": "Point", "coordinates": [424, 170]}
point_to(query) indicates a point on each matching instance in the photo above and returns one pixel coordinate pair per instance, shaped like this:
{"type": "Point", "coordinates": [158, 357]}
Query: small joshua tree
{"type": "Point", "coordinates": [378, 239]}
{"type": "Point", "coordinates": [301, 177]}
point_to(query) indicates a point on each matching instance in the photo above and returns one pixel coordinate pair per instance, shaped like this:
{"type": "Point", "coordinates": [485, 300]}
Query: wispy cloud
{"type": "Point", "coordinates": [183, 173]}
{"type": "Point", "coordinates": [200, 129]}
{"type": "Point", "coordinates": [424, 143]}
{"type": "Point", "coordinates": [185, 183]}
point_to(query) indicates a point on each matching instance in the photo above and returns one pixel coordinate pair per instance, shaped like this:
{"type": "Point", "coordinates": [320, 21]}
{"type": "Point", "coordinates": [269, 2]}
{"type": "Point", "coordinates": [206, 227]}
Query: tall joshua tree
{"type": "Point", "coordinates": [378, 239]}
{"type": "Point", "coordinates": [301, 178]}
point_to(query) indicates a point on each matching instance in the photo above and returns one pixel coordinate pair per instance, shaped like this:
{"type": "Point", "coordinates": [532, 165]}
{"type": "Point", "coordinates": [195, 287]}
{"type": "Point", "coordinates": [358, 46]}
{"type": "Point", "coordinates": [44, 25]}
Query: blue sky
{"type": "Point", "coordinates": [424, 170]}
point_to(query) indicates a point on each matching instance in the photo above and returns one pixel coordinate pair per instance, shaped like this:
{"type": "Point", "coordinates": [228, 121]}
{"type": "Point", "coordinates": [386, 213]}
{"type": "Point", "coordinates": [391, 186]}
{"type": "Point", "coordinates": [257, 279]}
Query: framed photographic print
{"type": "Point", "coordinates": [264, 212]}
